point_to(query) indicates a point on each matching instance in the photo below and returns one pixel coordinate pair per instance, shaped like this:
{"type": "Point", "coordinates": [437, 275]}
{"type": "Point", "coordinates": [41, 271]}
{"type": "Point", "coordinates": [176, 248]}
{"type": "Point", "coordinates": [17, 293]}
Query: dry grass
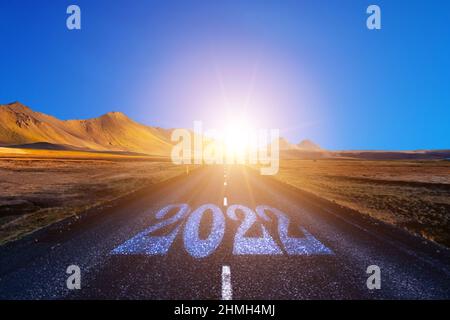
{"type": "Point", "coordinates": [39, 190]}
{"type": "Point", "coordinates": [414, 195]}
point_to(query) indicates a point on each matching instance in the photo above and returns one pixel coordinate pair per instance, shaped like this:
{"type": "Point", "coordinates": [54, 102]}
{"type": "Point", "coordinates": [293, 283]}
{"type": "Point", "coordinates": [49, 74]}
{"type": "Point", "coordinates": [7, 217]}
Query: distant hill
{"type": "Point", "coordinates": [395, 155]}
{"type": "Point", "coordinates": [114, 131]}
{"type": "Point", "coordinates": [304, 145]}
{"type": "Point", "coordinates": [283, 144]}
{"type": "Point", "coordinates": [308, 145]}
{"type": "Point", "coordinates": [307, 149]}
{"type": "Point", "coordinates": [21, 127]}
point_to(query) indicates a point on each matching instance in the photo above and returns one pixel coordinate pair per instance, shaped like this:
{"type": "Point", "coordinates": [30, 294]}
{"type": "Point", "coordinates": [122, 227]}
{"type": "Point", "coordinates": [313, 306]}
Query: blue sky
{"type": "Point", "coordinates": [310, 68]}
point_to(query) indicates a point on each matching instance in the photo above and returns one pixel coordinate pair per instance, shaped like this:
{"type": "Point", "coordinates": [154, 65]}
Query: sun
{"type": "Point", "coordinates": [237, 137]}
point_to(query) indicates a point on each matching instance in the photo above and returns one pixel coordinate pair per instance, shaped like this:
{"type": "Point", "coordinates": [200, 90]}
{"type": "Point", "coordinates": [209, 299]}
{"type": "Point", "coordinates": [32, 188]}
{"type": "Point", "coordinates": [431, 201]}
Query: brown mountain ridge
{"type": "Point", "coordinates": [114, 131]}
{"type": "Point", "coordinates": [22, 127]}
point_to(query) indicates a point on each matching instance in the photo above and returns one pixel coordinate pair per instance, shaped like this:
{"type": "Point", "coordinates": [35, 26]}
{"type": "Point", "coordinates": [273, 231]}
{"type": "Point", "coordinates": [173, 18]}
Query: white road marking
{"type": "Point", "coordinates": [227, 291]}
{"type": "Point", "coordinates": [225, 201]}
{"type": "Point", "coordinates": [225, 183]}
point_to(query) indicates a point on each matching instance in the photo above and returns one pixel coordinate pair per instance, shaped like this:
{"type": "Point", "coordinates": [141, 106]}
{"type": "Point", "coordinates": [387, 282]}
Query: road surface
{"type": "Point", "coordinates": [296, 247]}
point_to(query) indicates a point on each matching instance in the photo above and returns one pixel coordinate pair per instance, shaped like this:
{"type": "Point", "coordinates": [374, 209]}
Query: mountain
{"type": "Point", "coordinates": [304, 145]}
{"type": "Point", "coordinates": [284, 144]}
{"type": "Point", "coordinates": [308, 145]}
{"type": "Point", "coordinates": [114, 131]}
{"type": "Point", "coordinates": [21, 127]}
{"type": "Point", "coordinates": [306, 149]}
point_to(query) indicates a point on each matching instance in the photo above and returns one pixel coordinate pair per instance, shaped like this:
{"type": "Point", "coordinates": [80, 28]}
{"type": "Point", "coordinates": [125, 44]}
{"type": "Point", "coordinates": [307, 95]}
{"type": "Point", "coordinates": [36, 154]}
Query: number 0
{"type": "Point", "coordinates": [197, 247]}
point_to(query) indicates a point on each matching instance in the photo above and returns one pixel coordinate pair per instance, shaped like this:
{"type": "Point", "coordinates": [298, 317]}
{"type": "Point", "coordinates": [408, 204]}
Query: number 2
{"type": "Point", "coordinates": [307, 245]}
{"type": "Point", "coordinates": [250, 245]}
{"type": "Point", "coordinates": [143, 243]}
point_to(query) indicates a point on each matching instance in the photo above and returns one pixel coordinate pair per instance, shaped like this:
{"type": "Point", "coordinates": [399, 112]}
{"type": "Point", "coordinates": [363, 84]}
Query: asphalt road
{"type": "Point", "coordinates": [309, 249]}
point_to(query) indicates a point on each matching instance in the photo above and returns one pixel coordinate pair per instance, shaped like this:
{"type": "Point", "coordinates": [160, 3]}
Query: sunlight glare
{"type": "Point", "coordinates": [237, 134]}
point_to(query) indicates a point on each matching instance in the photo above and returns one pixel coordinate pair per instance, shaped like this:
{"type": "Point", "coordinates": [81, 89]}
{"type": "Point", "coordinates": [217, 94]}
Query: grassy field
{"type": "Point", "coordinates": [40, 187]}
{"type": "Point", "coordinates": [414, 195]}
